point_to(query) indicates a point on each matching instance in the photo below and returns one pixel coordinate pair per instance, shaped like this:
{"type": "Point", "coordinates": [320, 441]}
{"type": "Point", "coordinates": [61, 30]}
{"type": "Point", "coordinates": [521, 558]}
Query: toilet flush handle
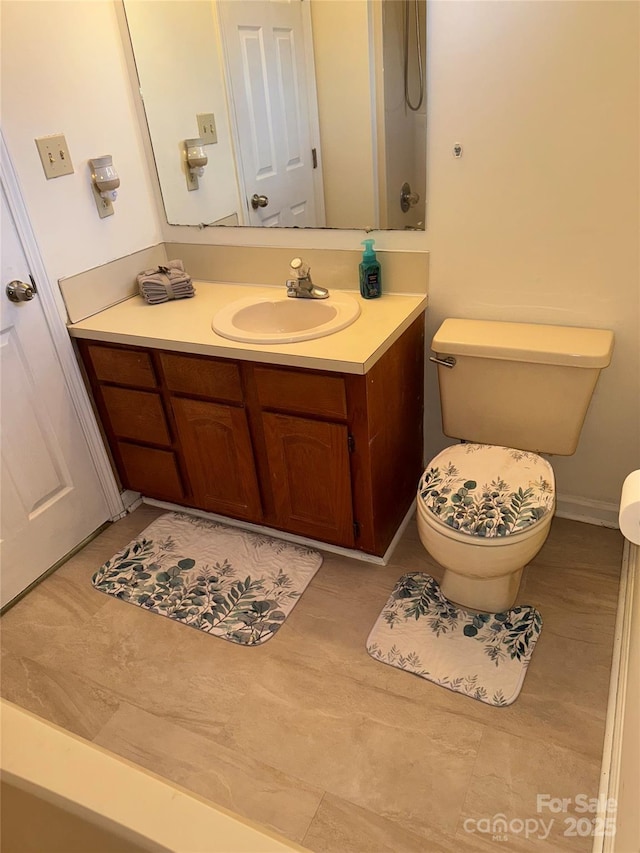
{"type": "Point", "coordinates": [449, 361]}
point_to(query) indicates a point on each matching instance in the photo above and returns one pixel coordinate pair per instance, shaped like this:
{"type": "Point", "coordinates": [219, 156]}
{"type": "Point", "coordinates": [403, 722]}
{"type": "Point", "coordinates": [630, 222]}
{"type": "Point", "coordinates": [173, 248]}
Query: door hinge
{"type": "Point", "coordinates": [314, 158]}
{"type": "Point", "coordinates": [351, 443]}
{"type": "Point", "coordinates": [356, 530]}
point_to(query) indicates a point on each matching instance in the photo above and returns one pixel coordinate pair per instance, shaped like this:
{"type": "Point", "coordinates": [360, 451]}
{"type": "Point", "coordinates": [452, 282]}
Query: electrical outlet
{"type": "Point", "coordinates": [54, 153]}
{"type": "Point", "coordinates": [207, 128]}
{"type": "Point", "coordinates": [104, 205]}
{"type": "Point", "coordinates": [192, 180]}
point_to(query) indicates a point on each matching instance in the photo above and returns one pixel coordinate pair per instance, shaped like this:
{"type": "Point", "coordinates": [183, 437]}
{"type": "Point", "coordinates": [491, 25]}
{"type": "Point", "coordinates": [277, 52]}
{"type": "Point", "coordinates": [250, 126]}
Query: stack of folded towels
{"type": "Point", "coordinates": [165, 282]}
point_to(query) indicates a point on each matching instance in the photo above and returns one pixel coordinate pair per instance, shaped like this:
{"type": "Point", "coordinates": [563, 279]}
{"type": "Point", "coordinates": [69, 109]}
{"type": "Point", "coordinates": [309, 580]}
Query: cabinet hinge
{"type": "Point", "coordinates": [351, 443]}
{"type": "Point", "coordinates": [356, 530]}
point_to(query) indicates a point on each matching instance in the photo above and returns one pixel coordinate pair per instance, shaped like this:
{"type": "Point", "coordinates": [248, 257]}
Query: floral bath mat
{"type": "Point", "coordinates": [483, 655]}
{"type": "Point", "coordinates": [233, 584]}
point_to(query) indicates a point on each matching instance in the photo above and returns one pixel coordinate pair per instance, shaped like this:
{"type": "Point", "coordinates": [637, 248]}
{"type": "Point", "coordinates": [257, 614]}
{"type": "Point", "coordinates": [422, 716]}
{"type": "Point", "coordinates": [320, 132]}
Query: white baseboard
{"type": "Point", "coordinates": [588, 511]}
{"type": "Point", "coordinates": [290, 537]}
{"type": "Point", "coordinates": [131, 500]}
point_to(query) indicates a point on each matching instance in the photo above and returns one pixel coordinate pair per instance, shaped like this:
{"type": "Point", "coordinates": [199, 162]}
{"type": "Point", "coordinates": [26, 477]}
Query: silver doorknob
{"type": "Point", "coordinates": [407, 198]}
{"type": "Point", "coordinates": [259, 201]}
{"type": "Point", "coordinates": [18, 291]}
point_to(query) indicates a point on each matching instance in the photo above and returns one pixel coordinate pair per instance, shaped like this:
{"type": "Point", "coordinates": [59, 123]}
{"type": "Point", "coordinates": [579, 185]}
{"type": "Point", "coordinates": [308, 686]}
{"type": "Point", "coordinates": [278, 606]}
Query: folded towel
{"type": "Point", "coordinates": [165, 282]}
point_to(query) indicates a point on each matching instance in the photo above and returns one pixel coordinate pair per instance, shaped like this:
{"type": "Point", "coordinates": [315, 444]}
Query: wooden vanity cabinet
{"type": "Point", "coordinates": [332, 456]}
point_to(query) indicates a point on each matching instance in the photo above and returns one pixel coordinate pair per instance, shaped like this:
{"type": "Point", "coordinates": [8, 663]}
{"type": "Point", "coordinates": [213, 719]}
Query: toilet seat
{"type": "Point", "coordinates": [486, 492]}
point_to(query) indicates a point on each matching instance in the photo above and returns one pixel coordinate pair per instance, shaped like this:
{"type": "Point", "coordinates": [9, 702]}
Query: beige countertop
{"type": "Point", "coordinates": [184, 325]}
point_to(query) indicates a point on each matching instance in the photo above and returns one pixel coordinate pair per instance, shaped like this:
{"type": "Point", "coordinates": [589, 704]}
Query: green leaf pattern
{"type": "Point", "coordinates": [219, 595]}
{"type": "Point", "coordinates": [490, 509]}
{"type": "Point", "coordinates": [437, 647]}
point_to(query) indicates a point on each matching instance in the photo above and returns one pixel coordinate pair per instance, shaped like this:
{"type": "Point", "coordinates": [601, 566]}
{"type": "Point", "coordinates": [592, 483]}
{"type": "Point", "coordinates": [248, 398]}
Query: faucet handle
{"type": "Point", "coordinates": [300, 268]}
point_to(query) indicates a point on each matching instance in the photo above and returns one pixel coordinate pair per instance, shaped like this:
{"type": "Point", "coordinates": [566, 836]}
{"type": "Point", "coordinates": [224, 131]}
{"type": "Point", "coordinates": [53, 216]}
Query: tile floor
{"type": "Point", "coordinates": [310, 736]}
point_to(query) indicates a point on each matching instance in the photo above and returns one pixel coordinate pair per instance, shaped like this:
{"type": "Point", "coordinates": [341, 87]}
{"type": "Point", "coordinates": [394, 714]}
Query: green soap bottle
{"type": "Point", "coordinates": [370, 277]}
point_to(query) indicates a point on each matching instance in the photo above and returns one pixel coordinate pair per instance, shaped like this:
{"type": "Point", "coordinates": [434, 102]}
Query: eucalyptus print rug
{"type": "Point", "coordinates": [482, 655]}
{"type": "Point", "coordinates": [227, 582]}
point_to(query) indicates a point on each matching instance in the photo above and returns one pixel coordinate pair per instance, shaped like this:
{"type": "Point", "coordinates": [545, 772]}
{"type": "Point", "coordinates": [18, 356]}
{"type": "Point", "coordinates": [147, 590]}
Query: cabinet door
{"type": "Point", "coordinates": [218, 457]}
{"type": "Point", "coordinates": [310, 479]}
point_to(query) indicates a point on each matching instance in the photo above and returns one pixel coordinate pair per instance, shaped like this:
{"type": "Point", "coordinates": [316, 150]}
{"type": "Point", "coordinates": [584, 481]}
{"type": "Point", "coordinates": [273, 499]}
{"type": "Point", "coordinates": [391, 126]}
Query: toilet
{"type": "Point", "coordinates": [509, 392]}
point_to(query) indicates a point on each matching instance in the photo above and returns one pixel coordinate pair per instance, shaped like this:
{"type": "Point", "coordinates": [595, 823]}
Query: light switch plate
{"type": "Point", "coordinates": [207, 128]}
{"type": "Point", "coordinates": [54, 153]}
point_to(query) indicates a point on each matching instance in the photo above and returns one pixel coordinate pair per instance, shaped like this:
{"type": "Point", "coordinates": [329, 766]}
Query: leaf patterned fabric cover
{"type": "Point", "coordinates": [234, 584]}
{"type": "Point", "coordinates": [489, 491]}
{"type": "Point", "coordinates": [482, 655]}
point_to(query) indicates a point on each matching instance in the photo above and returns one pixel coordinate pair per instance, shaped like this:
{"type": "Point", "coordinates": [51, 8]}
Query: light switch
{"type": "Point", "coordinates": [54, 153]}
{"type": "Point", "coordinates": [207, 128]}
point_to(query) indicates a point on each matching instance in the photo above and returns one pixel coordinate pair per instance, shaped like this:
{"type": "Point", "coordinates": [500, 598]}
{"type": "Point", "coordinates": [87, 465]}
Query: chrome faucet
{"type": "Point", "coordinates": [301, 286]}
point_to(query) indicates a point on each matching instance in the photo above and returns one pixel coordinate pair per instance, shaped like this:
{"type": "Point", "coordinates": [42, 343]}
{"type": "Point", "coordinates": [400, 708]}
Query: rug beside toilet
{"type": "Point", "coordinates": [484, 655]}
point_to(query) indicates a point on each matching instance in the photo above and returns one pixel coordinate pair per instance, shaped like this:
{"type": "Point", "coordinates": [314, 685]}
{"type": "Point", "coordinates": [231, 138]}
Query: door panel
{"type": "Point", "coordinates": [33, 460]}
{"type": "Point", "coordinates": [310, 478]}
{"type": "Point", "coordinates": [51, 495]}
{"type": "Point", "coordinates": [256, 88]}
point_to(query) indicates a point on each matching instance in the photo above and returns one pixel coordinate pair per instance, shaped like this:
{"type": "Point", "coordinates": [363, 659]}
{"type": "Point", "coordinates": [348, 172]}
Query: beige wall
{"type": "Point", "coordinates": [538, 221]}
{"type": "Point", "coordinates": [63, 71]}
{"type": "Point", "coordinates": [174, 93]}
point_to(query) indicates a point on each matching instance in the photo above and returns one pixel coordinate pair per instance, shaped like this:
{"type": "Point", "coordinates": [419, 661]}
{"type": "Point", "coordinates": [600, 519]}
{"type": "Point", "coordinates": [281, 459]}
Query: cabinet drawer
{"type": "Point", "coordinates": [152, 472]}
{"type": "Point", "coordinates": [207, 377]}
{"type": "Point", "coordinates": [126, 367]}
{"type": "Point", "coordinates": [136, 414]}
{"type": "Point", "coordinates": [299, 391]}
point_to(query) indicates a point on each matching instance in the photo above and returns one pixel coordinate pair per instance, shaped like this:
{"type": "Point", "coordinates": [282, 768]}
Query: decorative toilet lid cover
{"type": "Point", "coordinates": [488, 491]}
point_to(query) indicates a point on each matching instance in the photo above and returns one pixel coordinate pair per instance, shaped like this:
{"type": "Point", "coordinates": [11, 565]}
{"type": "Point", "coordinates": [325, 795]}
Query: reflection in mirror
{"type": "Point", "coordinates": [311, 114]}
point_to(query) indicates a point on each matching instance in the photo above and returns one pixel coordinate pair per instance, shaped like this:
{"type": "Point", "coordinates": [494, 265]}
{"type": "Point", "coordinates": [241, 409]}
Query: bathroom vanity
{"type": "Point", "coordinates": [321, 438]}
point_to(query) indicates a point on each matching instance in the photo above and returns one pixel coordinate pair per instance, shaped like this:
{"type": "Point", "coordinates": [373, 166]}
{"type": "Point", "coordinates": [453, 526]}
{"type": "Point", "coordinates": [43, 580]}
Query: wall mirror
{"type": "Point", "coordinates": [285, 113]}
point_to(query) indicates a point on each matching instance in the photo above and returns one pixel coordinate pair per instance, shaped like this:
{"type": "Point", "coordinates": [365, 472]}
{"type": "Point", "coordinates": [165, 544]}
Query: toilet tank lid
{"type": "Point", "coordinates": [560, 345]}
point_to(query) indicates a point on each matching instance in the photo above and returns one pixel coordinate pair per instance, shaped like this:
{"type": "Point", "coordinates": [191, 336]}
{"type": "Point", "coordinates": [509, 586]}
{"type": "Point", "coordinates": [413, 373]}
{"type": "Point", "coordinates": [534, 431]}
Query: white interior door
{"type": "Point", "coordinates": [51, 495]}
{"type": "Point", "coordinates": [265, 53]}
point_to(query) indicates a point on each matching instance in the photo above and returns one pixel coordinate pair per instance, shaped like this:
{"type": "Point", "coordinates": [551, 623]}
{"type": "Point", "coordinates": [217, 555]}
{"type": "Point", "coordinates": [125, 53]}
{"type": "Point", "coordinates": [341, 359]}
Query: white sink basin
{"type": "Point", "coordinates": [285, 319]}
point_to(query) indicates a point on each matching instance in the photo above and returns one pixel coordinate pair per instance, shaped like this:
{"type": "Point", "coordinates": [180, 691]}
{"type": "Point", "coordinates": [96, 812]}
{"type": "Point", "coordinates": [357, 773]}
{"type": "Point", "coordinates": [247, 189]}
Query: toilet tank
{"type": "Point", "coordinates": [518, 384]}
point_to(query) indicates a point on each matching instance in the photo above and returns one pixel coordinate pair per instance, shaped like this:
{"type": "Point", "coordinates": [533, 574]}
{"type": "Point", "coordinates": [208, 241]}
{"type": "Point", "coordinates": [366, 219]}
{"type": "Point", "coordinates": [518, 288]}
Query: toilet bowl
{"type": "Point", "coordinates": [483, 513]}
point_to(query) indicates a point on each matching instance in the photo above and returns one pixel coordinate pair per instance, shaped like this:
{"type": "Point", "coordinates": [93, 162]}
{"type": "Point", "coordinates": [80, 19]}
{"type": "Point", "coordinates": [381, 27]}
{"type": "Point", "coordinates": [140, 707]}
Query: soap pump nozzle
{"type": "Point", "coordinates": [369, 253]}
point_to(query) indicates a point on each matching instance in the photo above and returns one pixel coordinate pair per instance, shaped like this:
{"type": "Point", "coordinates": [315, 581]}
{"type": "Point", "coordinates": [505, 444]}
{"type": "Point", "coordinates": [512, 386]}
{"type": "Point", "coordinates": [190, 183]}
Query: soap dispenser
{"type": "Point", "coordinates": [370, 278]}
